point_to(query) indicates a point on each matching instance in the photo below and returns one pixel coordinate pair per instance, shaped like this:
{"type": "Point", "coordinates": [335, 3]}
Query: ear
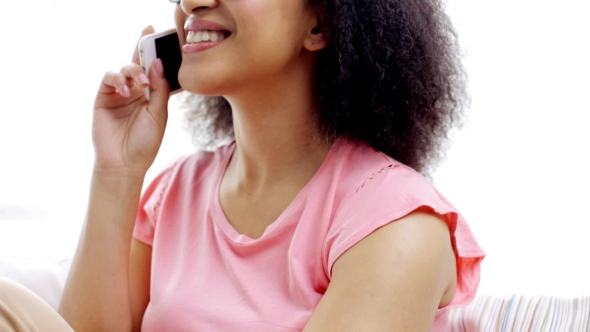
{"type": "Point", "coordinates": [315, 38]}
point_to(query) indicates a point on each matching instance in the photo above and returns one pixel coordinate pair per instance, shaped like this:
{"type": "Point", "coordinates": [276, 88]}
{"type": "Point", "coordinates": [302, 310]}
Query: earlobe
{"type": "Point", "coordinates": [315, 41]}
{"type": "Point", "coordinates": [316, 36]}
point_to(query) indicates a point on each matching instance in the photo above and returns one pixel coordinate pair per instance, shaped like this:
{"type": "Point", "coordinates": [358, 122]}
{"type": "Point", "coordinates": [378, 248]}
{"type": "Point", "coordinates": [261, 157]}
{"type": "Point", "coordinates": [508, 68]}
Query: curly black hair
{"type": "Point", "coordinates": [391, 76]}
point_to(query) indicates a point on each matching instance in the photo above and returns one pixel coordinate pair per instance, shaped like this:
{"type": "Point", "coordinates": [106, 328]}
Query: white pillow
{"type": "Point", "coordinates": [45, 278]}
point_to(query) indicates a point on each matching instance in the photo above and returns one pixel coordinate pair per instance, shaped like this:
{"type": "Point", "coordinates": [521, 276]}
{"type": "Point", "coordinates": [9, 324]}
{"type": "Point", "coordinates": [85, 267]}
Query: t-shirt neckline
{"type": "Point", "coordinates": [223, 223]}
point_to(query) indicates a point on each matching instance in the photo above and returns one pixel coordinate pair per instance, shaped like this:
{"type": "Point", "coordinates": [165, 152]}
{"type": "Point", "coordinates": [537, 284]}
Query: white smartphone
{"type": "Point", "coordinates": [163, 45]}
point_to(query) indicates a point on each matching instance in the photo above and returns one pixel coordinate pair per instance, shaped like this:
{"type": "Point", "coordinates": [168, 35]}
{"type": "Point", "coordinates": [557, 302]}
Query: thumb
{"type": "Point", "coordinates": [160, 89]}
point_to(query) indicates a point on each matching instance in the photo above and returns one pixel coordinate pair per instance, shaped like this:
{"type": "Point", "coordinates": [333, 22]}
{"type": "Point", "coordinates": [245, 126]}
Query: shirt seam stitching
{"type": "Point", "coordinates": [355, 189]}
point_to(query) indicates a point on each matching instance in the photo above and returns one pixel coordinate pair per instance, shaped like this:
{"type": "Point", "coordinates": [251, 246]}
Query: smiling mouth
{"type": "Point", "coordinates": [202, 36]}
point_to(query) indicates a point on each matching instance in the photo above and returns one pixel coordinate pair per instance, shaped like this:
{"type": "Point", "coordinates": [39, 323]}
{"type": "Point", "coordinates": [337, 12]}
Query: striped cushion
{"type": "Point", "coordinates": [522, 313]}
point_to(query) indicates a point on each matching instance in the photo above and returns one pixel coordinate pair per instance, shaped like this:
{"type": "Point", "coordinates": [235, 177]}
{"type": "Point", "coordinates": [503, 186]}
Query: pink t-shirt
{"type": "Point", "coordinates": [207, 277]}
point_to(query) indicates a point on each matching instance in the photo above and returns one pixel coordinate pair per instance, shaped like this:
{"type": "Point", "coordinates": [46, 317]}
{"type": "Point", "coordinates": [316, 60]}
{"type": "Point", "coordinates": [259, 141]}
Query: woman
{"type": "Point", "coordinates": [316, 217]}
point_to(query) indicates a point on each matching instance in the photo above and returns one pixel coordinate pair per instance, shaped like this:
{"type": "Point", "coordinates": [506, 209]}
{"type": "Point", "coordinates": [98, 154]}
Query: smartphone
{"type": "Point", "coordinates": [163, 45]}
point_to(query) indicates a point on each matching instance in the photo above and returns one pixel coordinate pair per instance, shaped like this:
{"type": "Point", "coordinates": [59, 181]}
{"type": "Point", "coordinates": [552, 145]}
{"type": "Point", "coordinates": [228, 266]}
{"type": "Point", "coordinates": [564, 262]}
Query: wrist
{"type": "Point", "coordinates": [120, 173]}
{"type": "Point", "coordinates": [117, 182]}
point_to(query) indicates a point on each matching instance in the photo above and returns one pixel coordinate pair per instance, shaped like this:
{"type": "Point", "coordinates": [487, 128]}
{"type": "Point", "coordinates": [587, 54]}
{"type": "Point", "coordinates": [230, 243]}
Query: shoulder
{"type": "Point", "coordinates": [197, 165]}
{"type": "Point", "coordinates": [369, 174]}
{"type": "Point", "coordinates": [183, 174]}
{"type": "Point", "coordinates": [179, 184]}
{"type": "Point", "coordinates": [204, 160]}
{"type": "Point", "coordinates": [381, 190]}
{"type": "Point", "coordinates": [389, 198]}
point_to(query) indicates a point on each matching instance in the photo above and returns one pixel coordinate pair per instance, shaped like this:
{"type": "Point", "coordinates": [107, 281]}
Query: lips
{"type": "Point", "coordinates": [201, 35]}
{"type": "Point", "coordinates": [203, 25]}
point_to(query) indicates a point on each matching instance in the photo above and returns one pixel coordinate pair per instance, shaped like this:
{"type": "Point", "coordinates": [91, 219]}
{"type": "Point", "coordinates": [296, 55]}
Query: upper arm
{"type": "Point", "coordinates": [393, 280]}
{"type": "Point", "coordinates": [140, 262]}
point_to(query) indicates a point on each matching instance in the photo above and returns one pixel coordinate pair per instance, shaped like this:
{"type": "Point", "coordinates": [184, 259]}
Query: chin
{"type": "Point", "coordinates": [201, 84]}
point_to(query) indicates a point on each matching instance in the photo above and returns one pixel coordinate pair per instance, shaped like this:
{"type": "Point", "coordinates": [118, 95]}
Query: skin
{"type": "Point", "coordinates": [273, 121]}
{"type": "Point", "coordinates": [394, 280]}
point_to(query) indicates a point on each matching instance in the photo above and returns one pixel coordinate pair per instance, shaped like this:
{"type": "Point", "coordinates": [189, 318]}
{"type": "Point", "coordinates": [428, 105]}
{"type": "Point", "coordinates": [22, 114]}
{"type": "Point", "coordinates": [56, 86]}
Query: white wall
{"type": "Point", "coordinates": [520, 169]}
{"type": "Point", "coordinates": [517, 171]}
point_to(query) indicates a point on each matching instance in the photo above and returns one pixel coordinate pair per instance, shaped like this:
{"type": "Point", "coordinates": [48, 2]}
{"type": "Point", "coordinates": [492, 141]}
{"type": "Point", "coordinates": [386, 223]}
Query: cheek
{"type": "Point", "coordinates": [270, 31]}
{"type": "Point", "coordinates": [180, 18]}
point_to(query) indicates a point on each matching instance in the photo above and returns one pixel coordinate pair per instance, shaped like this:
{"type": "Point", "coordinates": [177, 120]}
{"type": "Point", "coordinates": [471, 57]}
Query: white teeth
{"type": "Point", "coordinates": [204, 36]}
{"type": "Point", "coordinates": [190, 38]}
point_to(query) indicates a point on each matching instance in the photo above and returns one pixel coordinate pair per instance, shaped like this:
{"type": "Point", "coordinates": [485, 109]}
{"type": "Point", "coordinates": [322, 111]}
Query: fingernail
{"type": "Point", "coordinates": [159, 67]}
{"type": "Point", "coordinates": [144, 79]}
{"type": "Point", "coordinates": [126, 91]}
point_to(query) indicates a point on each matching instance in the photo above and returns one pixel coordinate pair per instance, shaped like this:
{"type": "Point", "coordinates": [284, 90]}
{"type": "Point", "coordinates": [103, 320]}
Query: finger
{"type": "Point", "coordinates": [149, 29]}
{"type": "Point", "coordinates": [136, 75]}
{"type": "Point", "coordinates": [160, 90]}
{"type": "Point", "coordinates": [115, 82]}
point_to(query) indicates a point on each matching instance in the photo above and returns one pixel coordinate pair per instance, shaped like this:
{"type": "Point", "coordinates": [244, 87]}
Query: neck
{"type": "Point", "coordinates": [276, 136]}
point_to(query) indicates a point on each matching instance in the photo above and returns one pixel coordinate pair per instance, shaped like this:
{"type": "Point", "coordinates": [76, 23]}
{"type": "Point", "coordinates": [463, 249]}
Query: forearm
{"type": "Point", "coordinates": [96, 295]}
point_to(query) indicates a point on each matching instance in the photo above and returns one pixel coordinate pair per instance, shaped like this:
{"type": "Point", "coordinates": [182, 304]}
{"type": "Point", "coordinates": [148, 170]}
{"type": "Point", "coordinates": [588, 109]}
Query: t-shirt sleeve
{"type": "Point", "coordinates": [149, 204]}
{"type": "Point", "coordinates": [390, 194]}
